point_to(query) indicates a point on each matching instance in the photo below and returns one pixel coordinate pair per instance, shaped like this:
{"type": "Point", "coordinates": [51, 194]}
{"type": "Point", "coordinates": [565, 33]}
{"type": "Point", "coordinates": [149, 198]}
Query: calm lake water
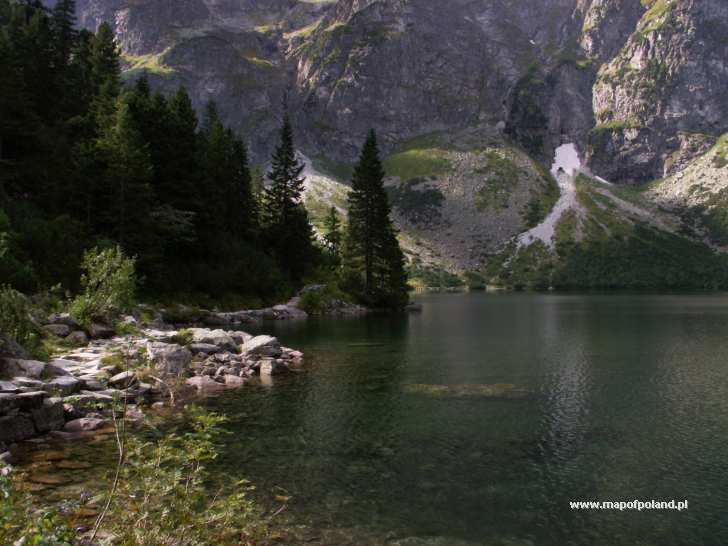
{"type": "Point", "coordinates": [389, 432]}
{"type": "Point", "coordinates": [479, 419]}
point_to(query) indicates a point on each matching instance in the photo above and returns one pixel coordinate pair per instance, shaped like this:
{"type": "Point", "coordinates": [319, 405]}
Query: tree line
{"type": "Point", "coordinates": [86, 161]}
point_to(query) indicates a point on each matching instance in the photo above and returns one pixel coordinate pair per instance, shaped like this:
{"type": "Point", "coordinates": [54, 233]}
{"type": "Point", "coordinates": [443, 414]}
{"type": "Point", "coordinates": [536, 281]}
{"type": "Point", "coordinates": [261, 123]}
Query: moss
{"type": "Point", "coordinates": [418, 162]}
{"type": "Point", "coordinates": [720, 159]}
{"type": "Point", "coordinates": [152, 63]}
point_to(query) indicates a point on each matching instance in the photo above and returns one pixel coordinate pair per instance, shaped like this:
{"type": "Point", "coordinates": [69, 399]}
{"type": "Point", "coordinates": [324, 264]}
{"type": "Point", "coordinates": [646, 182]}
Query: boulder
{"type": "Point", "coordinates": [220, 338]}
{"type": "Point", "coordinates": [240, 338]}
{"type": "Point", "coordinates": [84, 424]}
{"type": "Point", "coordinates": [8, 402]}
{"type": "Point", "coordinates": [58, 368]}
{"type": "Point", "coordinates": [8, 387]}
{"type": "Point", "coordinates": [27, 401]}
{"type": "Point", "coordinates": [91, 383]}
{"type": "Point", "coordinates": [50, 416]}
{"type": "Point", "coordinates": [65, 319]}
{"type": "Point", "coordinates": [287, 312]}
{"type": "Point", "coordinates": [234, 381]}
{"type": "Point", "coordinates": [262, 346]}
{"type": "Point", "coordinates": [9, 348]}
{"type": "Point", "coordinates": [101, 331]}
{"type": "Point", "coordinates": [16, 428]}
{"type": "Point", "coordinates": [28, 383]}
{"type": "Point", "coordinates": [60, 330]}
{"type": "Point", "coordinates": [204, 383]}
{"type": "Point", "coordinates": [204, 348]}
{"type": "Point", "coordinates": [123, 379]}
{"type": "Point", "coordinates": [63, 386]}
{"type": "Point", "coordinates": [169, 358]}
{"type": "Point", "coordinates": [270, 366]}
{"type": "Point", "coordinates": [77, 337]}
{"type": "Point", "coordinates": [11, 367]}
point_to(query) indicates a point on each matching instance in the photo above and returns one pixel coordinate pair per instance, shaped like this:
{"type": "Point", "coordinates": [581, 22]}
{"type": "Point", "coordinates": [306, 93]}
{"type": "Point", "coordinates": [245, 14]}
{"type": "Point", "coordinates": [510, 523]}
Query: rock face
{"type": "Point", "coordinates": [662, 99]}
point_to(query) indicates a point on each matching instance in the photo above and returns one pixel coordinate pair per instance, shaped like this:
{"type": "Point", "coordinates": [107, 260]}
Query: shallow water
{"type": "Point", "coordinates": [479, 419]}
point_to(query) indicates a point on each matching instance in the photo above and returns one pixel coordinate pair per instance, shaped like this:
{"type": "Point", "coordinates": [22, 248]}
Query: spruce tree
{"type": "Point", "coordinates": [288, 229]}
{"type": "Point", "coordinates": [374, 269]}
{"type": "Point", "coordinates": [332, 233]}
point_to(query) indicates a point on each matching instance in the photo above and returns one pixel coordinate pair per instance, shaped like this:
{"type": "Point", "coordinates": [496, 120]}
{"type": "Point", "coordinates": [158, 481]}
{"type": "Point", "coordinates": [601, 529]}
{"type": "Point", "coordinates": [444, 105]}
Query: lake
{"type": "Point", "coordinates": [479, 419]}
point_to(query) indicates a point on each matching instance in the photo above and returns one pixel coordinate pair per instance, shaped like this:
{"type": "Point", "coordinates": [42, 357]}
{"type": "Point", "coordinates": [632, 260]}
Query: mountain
{"type": "Point", "coordinates": [470, 99]}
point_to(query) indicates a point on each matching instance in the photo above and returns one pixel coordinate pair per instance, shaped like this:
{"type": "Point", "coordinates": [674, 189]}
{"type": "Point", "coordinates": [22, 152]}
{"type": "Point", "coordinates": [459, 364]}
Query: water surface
{"type": "Point", "coordinates": [386, 436]}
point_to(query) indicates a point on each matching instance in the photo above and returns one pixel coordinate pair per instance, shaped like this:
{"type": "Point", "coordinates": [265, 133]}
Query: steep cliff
{"type": "Point", "coordinates": [661, 101]}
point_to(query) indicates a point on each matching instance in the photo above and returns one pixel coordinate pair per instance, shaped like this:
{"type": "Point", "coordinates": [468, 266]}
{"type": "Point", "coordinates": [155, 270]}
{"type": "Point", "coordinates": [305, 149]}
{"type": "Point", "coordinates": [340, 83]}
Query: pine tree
{"type": "Point", "coordinates": [288, 228]}
{"type": "Point", "coordinates": [373, 261]}
{"type": "Point", "coordinates": [63, 23]}
{"type": "Point", "coordinates": [332, 233]}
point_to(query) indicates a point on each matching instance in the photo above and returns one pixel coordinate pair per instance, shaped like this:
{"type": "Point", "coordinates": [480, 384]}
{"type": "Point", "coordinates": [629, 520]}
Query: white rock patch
{"type": "Point", "coordinates": [565, 167]}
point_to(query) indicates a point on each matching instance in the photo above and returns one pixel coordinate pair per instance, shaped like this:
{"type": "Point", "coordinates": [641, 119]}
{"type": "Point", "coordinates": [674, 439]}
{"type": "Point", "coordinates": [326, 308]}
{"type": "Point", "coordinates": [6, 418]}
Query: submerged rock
{"type": "Point", "coordinates": [499, 391]}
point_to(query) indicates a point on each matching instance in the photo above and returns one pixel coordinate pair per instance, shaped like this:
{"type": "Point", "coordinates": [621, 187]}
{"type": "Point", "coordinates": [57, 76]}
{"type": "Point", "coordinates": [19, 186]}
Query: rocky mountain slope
{"type": "Point", "coordinates": [637, 85]}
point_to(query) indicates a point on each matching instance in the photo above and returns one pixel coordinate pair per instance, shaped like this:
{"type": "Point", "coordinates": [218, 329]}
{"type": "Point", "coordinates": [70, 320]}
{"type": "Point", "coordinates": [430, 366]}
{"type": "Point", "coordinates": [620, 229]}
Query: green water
{"type": "Point", "coordinates": [629, 400]}
{"type": "Point", "coordinates": [394, 433]}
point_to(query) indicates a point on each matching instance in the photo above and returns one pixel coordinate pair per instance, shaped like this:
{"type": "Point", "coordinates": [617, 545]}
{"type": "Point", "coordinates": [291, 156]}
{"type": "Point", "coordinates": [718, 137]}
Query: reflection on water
{"type": "Point", "coordinates": [408, 427]}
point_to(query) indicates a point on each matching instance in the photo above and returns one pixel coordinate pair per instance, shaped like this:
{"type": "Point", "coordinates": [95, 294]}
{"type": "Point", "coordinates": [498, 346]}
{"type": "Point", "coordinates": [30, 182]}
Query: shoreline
{"type": "Point", "coordinates": [73, 394]}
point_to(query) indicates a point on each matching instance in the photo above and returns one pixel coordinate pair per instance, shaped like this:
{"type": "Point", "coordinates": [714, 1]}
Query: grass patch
{"type": "Point", "coordinates": [417, 163]}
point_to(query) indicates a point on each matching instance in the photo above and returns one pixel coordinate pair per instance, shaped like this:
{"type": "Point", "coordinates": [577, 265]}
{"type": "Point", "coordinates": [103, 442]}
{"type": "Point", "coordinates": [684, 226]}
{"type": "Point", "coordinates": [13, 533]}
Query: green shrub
{"type": "Point", "coordinates": [16, 321]}
{"type": "Point", "coordinates": [166, 497]}
{"type": "Point", "coordinates": [108, 285]}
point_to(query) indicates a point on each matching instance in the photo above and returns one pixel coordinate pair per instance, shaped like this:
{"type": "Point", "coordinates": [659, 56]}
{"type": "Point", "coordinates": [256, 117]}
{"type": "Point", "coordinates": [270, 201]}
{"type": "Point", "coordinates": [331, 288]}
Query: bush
{"type": "Point", "coordinates": [166, 496]}
{"type": "Point", "coordinates": [16, 322]}
{"type": "Point", "coordinates": [108, 285]}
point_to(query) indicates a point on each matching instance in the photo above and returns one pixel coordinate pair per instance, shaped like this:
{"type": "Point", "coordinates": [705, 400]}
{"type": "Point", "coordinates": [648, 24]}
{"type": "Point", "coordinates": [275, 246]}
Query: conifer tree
{"type": "Point", "coordinates": [373, 261]}
{"type": "Point", "coordinates": [288, 228]}
{"type": "Point", "coordinates": [332, 232]}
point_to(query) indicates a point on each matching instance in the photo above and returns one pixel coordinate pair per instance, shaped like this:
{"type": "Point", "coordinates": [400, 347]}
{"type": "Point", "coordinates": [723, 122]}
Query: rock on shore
{"type": "Point", "coordinates": [71, 395]}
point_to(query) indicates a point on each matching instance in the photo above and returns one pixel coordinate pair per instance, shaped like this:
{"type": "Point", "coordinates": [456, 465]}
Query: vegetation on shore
{"type": "Point", "coordinates": [86, 163]}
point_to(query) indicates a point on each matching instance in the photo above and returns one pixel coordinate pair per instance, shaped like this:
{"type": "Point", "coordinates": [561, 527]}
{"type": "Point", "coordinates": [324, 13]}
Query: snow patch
{"type": "Point", "coordinates": [565, 168]}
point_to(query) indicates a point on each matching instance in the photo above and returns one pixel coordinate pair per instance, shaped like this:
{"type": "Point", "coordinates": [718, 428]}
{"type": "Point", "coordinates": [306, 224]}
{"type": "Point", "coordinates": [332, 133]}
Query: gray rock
{"type": "Point", "coordinates": [8, 402]}
{"type": "Point", "coordinates": [234, 381]}
{"type": "Point", "coordinates": [58, 368]}
{"type": "Point", "coordinates": [271, 366]}
{"type": "Point", "coordinates": [169, 358]}
{"type": "Point", "coordinates": [50, 416]}
{"type": "Point", "coordinates": [9, 348]}
{"type": "Point", "coordinates": [11, 367]}
{"type": "Point", "coordinates": [101, 331]}
{"type": "Point", "coordinates": [60, 330]}
{"type": "Point", "coordinates": [204, 348]}
{"type": "Point", "coordinates": [262, 346]}
{"type": "Point", "coordinates": [63, 386]}
{"type": "Point", "coordinates": [204, 383]}
{"type": "Point", "coordinates": [27, 401]}
{"type": "Point", "coordinates": [65, 319]}
{"type": "Point", "coordinates": [91, 383]}
{"type": "Point", "coordinates": [84, 424]}
{"type": "Point", "coordinates": [77, 337]}
{"type": "Point", "coordinates": [16, 428]}
{"type": "Point", "coordinates": [8, 387]}
{"type": "Point", "coordinates": [28, 383]}
{"type": "Point", "coordinates": [240, 338]}
{"type": "Point", "coordinates": [220, 338]}
{"type": "Point", "coordinates": [123, 379]}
